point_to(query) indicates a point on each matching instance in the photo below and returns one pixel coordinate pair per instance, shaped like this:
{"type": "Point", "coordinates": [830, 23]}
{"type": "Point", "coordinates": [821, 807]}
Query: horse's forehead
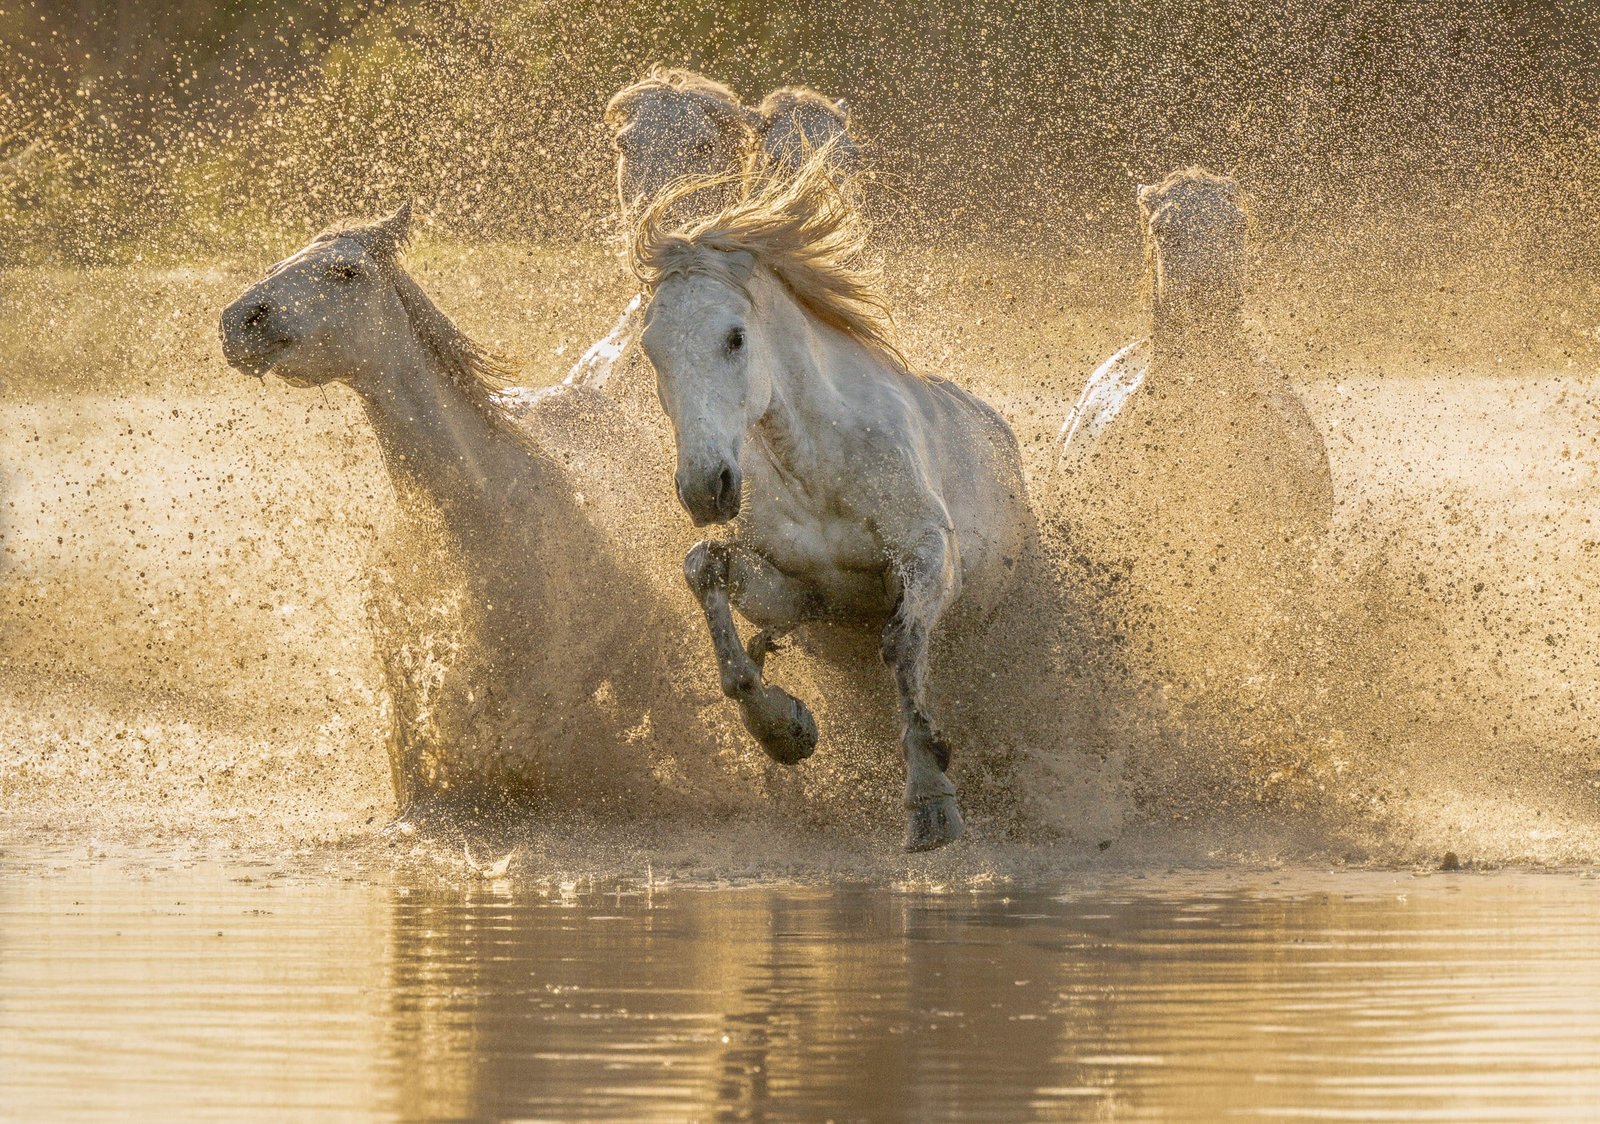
{"type": "Point", "coordinates": [1190, 199]}
{"type": "Point", "coordinates": [670, 114]}
{"type": "Point", "coordinates": [326, 250]}
{"type": "Point", "coordinates": [690, 298]}
{"type": "Point", "coordinates": [813, 122]}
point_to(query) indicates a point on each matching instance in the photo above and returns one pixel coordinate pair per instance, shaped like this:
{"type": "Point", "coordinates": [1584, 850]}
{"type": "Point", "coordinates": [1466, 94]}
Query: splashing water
{"type": "Point", "coordinates": [595, 368]}
{"type": "Point", "coordinates": [186, 645]}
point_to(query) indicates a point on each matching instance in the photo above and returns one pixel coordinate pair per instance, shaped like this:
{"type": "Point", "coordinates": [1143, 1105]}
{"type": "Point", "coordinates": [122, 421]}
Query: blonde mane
{"type": "Point", "coordinates": [806, 229]}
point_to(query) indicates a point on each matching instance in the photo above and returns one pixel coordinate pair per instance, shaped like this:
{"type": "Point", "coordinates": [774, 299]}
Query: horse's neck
{"type": "Point", "coordinates": [1197, 336]}
{"type": "Point", "coordinates": [437, 438]}
{"type": "Point", "coordinates": [803, 360]}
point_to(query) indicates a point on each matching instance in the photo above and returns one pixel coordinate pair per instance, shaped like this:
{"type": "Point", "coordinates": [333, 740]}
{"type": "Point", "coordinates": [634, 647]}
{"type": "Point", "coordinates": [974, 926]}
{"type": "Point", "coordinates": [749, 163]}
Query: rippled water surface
{"type": "Point", "coordinates": [218, 988]}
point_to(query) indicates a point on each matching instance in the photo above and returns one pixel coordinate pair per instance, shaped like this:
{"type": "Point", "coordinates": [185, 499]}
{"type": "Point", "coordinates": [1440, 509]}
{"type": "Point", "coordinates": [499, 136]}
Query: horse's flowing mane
{"type": "Point", "coordinates": [806, 228]}
{"type": "Point", "coordinates": [478, 371]}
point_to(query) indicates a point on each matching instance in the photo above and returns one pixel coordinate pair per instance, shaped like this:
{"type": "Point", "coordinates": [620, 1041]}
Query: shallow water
{"type": "Point", "coordinates": [308, 986]}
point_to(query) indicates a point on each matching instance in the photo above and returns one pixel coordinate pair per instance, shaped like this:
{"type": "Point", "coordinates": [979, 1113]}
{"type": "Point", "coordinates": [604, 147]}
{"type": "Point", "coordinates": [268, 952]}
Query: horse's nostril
{"type": "Point", "coordinates": [256, 316]}
{"type": "Point", "coordinates": [725, 485]}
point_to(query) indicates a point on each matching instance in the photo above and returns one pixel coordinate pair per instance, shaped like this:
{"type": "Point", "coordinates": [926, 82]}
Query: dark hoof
{"type": "Point", "coordinates": [782, 724]}
{"type": "Point", "coordinates": [933, 823]}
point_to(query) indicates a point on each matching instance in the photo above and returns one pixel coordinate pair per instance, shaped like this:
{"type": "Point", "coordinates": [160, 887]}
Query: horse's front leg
{"type": "Point", "coordinates": [781, 723]}
{"type": "Point", "coordinates": [929, 581]}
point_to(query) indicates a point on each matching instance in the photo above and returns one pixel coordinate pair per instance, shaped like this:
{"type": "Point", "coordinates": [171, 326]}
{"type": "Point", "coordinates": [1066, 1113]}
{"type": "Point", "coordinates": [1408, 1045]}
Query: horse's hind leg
{"type": "Point", "coordinates": [781, 723]}
{"type": "Point", "coordinates": [928, 585]}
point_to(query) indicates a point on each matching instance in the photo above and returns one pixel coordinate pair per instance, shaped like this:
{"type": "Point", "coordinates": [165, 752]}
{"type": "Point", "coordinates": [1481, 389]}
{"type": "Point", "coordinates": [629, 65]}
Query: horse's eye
{"type": "Point", "coordinates": [343, 271]}
{"type": "Point", "coordinates": [735, 339]}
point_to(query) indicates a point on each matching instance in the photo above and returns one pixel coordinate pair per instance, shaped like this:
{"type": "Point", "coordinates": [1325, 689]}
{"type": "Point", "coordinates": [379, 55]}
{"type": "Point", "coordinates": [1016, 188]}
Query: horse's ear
{"type": "Point", "coordinates": [398, 225]}
{"type": "Point", "coordinates": [842, 105]}
{"type": "Point", "coordinates": [388, 235]}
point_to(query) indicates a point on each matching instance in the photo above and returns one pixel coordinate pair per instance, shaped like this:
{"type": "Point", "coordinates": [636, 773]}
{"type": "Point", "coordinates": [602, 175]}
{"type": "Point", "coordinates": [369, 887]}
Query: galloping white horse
{"type": "Point", "coordinates": [1198, 378]}
{"type": "Point", "coordinates": [555, 674]}
{"type": "Point", "coordinates": [1188, 457]}
{"type": "Point", "coordinates": [859, 491]}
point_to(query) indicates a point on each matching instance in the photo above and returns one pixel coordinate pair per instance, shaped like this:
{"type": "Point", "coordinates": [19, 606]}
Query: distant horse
{"type": "Point", "coordinates": [674, 124]}
{"type": "Point", "coordinates": [859, 491]}
{"type": "Point", "coordinates": [792, 122]}
{"type": "Point", "coordinates": [556, 674]}
{"type": "Point", "coordinates": [1187, 456]}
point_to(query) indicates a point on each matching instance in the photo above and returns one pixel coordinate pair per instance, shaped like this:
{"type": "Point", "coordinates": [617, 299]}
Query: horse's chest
{"type": "Point", "coordinates": [815, 542]}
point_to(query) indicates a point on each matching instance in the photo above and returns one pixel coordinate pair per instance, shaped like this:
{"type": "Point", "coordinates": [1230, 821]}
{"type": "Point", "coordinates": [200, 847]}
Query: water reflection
{"type": "Point", "coordinates": [1354, 995]}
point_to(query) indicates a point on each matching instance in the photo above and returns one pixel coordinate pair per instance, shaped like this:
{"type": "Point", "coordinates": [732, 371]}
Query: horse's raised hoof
{"type": "Point", "coordinates": [933, 823]}
{"type": "Point", "coordinates": [782, 724]}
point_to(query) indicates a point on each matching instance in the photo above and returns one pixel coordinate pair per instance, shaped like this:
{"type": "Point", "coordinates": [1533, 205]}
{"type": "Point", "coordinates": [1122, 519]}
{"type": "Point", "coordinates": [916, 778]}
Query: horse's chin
{"type": "Point", "coordinates": [257, 364]}
{"type": "Point", "coordinates": [301, 382]}
{"type": "Point", "coordinates": [297, 379]}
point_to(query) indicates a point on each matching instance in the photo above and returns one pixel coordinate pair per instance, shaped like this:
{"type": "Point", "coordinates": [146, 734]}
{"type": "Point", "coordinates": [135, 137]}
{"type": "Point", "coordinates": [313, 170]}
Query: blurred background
{"type": "Point", "coordinates": [129, 128]}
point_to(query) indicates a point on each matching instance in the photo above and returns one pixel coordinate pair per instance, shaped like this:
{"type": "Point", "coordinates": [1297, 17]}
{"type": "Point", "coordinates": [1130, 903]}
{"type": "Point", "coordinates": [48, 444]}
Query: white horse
{"type": "Point", "coordinates": [1188, 457]}
{"type": "Point", "coordinates": [674, 124]}
{"type": "Point", "coordinates": [556, 677]}
{"type": "Point", "coordinates": [792, 122]}
{"type": "Point", "coordinates": [1199, 359]}
{"type": "Point", "coordinates": [859, 491]}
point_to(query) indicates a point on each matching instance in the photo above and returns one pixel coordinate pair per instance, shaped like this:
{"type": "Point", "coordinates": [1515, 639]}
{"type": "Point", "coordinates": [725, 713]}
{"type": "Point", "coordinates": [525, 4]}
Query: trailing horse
{"type": "Point", "coordinates": [516, 675]}
{"type": "Point", "coordinates": [1188, 463]}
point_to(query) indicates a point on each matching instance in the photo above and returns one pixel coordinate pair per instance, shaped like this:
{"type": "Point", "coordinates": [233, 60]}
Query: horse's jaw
{"type": "Point", "coordinates": [303, 382]}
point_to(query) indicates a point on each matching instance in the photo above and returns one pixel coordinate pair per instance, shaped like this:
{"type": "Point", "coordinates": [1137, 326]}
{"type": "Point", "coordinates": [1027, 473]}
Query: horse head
{"type": "Point", "coordinates": [329, 312]}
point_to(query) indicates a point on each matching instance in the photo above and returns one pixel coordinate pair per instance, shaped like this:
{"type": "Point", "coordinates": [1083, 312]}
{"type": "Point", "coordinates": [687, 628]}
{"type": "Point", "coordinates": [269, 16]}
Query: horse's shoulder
{"type": "Point", "coordinates": [1286, 401]}
{"type": "Point", "coordinates": [952, 402]}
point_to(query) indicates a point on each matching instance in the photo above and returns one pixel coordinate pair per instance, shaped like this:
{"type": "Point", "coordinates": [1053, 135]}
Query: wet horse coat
{"type": "Point", "coordinates": [857, 491]}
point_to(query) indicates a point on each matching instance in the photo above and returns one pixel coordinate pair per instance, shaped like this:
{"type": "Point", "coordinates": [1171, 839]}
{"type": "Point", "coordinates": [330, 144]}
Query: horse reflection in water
{"type": "Point", "coordinates": [527, 683]}
{"type": "Point", "coordinates": [865, 494]}
{"type": "Point", "coordinates": [711, 1005]}
{"type": "Point", "coordinates": [1086, 1001]}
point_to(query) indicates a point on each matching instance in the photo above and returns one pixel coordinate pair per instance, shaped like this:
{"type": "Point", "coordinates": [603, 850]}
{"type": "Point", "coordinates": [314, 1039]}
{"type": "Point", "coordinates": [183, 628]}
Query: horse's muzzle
{"type": "Point", "coordinates": [248, 343]}
{"type": "Point", "coordinates": [711, 496]}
